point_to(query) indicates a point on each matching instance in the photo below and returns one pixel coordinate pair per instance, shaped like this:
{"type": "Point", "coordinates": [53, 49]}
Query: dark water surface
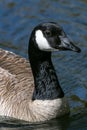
{"type": "Point", "coordinates": [17, 19]}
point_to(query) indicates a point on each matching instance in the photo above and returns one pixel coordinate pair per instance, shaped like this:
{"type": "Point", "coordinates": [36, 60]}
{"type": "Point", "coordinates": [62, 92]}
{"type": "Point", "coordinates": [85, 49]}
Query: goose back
{"type": "Point", "coordinates": [16, 79]}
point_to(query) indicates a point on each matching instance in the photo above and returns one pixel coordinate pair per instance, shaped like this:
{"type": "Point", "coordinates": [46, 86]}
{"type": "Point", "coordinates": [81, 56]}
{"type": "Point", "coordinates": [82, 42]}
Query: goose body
{"type": "Point", "coordinates": [30, 91]}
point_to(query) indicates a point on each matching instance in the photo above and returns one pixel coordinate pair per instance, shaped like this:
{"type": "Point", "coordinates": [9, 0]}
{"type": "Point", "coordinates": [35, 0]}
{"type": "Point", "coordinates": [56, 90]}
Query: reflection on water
{"type": "Point", "coordinates": [60, 124]}
{"type": "Point", "coordinates": [77, 122]}
{"type": "Point", "coordinates": [17, 19]}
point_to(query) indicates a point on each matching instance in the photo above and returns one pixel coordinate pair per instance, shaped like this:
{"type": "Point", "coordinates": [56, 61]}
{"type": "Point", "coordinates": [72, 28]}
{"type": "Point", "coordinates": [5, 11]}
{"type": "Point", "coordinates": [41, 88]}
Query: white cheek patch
{"type": "Point", "coordinates": [42, 41]}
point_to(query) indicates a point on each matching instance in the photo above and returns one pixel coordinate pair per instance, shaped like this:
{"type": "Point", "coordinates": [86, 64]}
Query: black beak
{"type": "Point", "coordinates": [67, 44]}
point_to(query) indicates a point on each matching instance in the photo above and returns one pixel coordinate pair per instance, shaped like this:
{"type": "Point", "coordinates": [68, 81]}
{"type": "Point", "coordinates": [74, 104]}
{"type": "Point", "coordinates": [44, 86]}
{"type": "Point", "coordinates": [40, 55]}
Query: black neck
{"type": "Point", "coordinates": [45, 78]}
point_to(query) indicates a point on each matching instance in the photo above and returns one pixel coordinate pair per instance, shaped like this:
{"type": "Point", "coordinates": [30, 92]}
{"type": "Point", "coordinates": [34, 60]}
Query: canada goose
{"type": "Point", "coordinates": [31, 91]}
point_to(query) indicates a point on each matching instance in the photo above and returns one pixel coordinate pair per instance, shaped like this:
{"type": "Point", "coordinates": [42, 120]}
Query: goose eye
{"type": "Point", "coordinates": [48, 33]}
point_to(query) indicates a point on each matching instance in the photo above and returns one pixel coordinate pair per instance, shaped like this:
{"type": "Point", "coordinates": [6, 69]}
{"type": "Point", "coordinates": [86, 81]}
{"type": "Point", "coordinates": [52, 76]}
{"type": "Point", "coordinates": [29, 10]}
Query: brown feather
{"type": "Point", "coordinates": [15, 76]}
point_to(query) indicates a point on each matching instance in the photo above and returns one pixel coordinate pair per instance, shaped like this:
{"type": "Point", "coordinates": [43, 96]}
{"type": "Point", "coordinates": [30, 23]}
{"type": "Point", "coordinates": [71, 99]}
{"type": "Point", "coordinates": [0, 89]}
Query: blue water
{"type": "Point", "coordinates": [17, 19]}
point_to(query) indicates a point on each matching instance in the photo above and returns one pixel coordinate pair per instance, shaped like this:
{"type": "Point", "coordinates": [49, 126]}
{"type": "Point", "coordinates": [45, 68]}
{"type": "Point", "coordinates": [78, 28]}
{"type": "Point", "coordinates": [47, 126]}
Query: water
{"type": "Point", "coordinates": [17, 19]}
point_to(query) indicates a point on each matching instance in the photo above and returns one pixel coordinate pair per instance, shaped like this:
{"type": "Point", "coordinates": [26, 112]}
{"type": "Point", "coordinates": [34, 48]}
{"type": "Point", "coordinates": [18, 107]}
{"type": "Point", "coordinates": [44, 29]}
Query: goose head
{"type": "Point", "coordinates": [45, 38]}
{"type": "Point", "coordinates": [49, 37]}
